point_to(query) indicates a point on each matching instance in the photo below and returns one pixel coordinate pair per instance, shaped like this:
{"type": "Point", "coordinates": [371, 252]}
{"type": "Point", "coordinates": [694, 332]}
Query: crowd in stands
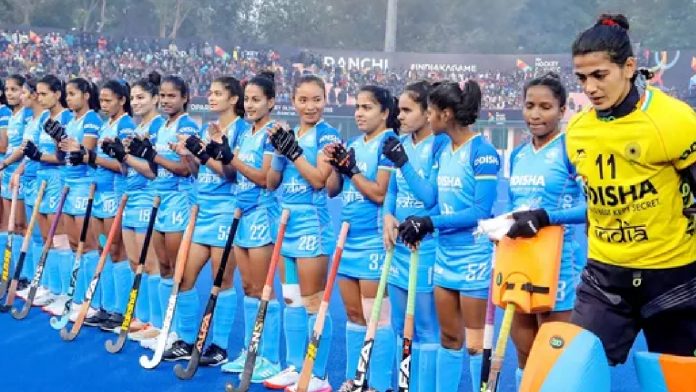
{"type": "Point", "coordinates": [100, 57]}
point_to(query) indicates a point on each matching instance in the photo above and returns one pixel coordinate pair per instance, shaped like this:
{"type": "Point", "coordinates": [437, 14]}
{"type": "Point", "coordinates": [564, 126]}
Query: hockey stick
{"type": "Point", "coordinates": [488, 332]}
{"type": "Point", "coordinates": [405, 366]}
{"type": "Point", "coordinates": [114, 347]}
{"type": "Point", "coordinates": [500, 346]}
{"type": "Point", "coordinates": [179, 267]}
{"type": "Point", "coordinates": [7, 256]}
{"type": "Point", "coordinates": [252, 351]}
{"type": "Point", "coordinates": [59, 323]}
{"type": "Point", "coordinates": [19, 315]}
{"type": "Point", "coordinates": [359, 382]}
{"type": "Point", "coordinates": [313, 347]}
{"type": "Point", "coordinates": [9, 301]}
{"type": "Point", "coordinates": [190, 369]}
{"type": "Point", "coordinates": [115, 227]}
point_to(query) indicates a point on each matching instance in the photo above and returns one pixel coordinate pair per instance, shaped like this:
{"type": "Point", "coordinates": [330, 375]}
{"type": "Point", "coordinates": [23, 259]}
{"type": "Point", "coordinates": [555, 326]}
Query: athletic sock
{"type": "Point", "coordinates": [423, 366]}
{"type": "Point", "coordinates": [122, 286]}
{"type": "Point", "coordinates": [187, 306]}
{"type": "Point", "coordinates": [475, 362]}
{"type": "Point", "coordinates": [165, 289]}
{"type": "Point", "coordinates": [270, 340]}
{"type": "Point", "coordinates": [322, 357]}
{"type": "Point", "coordinates": [223, 318]}
{"type": "Point", "coordinates": [381, 371]}
{"type": "Point", "coordinates": [52, 271]}
{"type": "Point", "coordinates": [518, 378]}
{"type": "Point", "coordinates": [355, 335]}
{"type": "Point", "coordinates": [448, 369]}
{"type": "Point", "coordinates": [153, 284]}
{"type": "Point", "coordinates": [108, 286]}
{"type": "Point", "coordinates": [142, 307]}
{"type": "Point", "coordinates": [295, 328]}
{"type": "Point", "coordinates": [91, 259]}
{"type": "Point", "coordinates": [67, 257]}
{"type": "Point", "coordinates": [251, 307]}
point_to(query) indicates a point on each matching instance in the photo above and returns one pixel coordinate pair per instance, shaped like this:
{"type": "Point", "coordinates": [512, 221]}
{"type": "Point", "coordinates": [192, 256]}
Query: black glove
{"type": "Point", "coordinates": [142, 148]}
{"type": "Point", "coordinates": [220, 151]}
{"type": "Point", "coordinates": [76, 158]}
{"type": "Point", "coordinates": [54, 130]}
{"type": "Point", "coordinates": [394, 150]}
{"type": "Point", "coordinates": [344, 161]}
{"type": "Point", "coordinates": [114, 149]}
{"type": "Point", "coordinates": [286, 144]}
{"type": "Point", "coordinates": [528, 223]}
{"type": "Point", "coordinates": [193, 144]}
{"type": "Point", "coordinates": [415, 228]}
{"type": "Point", "coordinates": [31, 151]}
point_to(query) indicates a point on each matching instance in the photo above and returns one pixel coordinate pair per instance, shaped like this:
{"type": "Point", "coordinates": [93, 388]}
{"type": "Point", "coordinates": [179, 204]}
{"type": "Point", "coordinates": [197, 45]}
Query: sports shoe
{"type": "Point", "coordinates": [284, 379]}
{"type": "Point", "coordinates": [263, 370]}
{"type": "Point", "coordinates": [75, 311]}
{"type": "Point", "coordinates": [147, 332]}
{"type": "Point", "coordinates": [97, 319]}
{"type": "Point", "coordinates": [113, 323]}
{"type": "Point", "coordinates": [22, 283]}
{"type": "Point", "coordinates": [151, 344]}
{"type": "Point", "coordinates": [44, 300]}
{"type": "Point", "coordinates": [236, 366]}
{"type": "Point", "coordinates": [180, 351]}
{"type": "Point", "coordinates": [23, 293]}
{"type": "Point", "coordinates": [316, 384]}
{"type": "Point", "coordinates": [214, 355]}
{"type": "Point", "coordinates": [56, 308]}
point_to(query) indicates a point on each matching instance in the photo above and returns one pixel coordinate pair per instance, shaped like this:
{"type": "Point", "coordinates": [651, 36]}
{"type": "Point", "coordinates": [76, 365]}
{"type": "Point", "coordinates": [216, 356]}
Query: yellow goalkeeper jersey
{"type": "Point", "coordinates": [635, 194]}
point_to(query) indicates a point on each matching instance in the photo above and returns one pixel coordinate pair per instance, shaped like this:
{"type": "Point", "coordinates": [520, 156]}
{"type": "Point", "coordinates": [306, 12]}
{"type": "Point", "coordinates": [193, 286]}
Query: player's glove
{"type": "Point", "coordinates": [284, 142]}
{"type": "Point", "coordinates": [394, 150]}
{"type": "Point", "coordinates": [195, 146]}
{"type": "Point", "coordinates": [528, 223]}
{"type": "Point", "coordinates": [415, 228]}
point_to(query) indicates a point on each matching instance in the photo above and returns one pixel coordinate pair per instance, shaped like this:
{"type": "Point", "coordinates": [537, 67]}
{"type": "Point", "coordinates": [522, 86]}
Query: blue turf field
{"type": "Point", "coordinates": [34, 358]}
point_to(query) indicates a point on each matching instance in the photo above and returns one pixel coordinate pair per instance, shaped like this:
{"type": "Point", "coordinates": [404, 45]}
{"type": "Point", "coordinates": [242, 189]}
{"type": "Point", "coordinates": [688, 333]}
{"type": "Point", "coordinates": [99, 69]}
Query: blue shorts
{"type": "Point", "coordinates": [363, 256]}
{"type": "Point", "coordinates": [257, 227]}
{"type": "Point", "coordinates": [569, 278]}
{"type": "Point", "coordinates": [6, 192]}
{"type": "Point", "coordinates": [215, 215]}
{"type": "Point", "coordinates": [465, 268]}
{"type": "Point", "coordinates": [105, 204]}
{"type": "Point", "coordinates": [173, 213]}
{"type": "Point", "coordinates": [29, 189]}
{"type": "Point", "coordinates": [136, 215]}
{"type": "Point", "coordinates": [78, 195]}
{"type": "Point", "coordinates": [309, 232]}
{"type": "Point", "coordinates": [49, 203]}
{"type": "Point", "coordinates": [399, 270]}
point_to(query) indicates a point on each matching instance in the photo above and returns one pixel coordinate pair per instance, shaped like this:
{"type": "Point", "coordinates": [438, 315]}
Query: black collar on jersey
{"type": "Point", "coordinates": [626, 107]}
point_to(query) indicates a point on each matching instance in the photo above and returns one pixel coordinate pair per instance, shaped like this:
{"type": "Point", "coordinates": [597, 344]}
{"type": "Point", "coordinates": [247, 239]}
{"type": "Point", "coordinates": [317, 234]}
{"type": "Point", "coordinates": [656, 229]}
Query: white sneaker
{"type": "Point", "coordinates": [151, 344]}
{"type": "Point", "coordinates": [316, 384]}
{"type": "Point", "coordinates": [23, 293]}
{"type": "Point", "coordinates": [284, 379]}
{"type": "Point", "coordinates": [56, 308]}
{"type": "Point", "coordinates": [44, 300]}
{"type": "Point", "coordinates": [75, 311]}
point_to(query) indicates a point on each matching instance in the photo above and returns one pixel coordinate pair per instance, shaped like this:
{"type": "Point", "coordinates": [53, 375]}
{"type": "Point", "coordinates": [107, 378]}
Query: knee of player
{"type": "Point", "coordinates": [452, 341]}
{"type": "Point", "coordinates": [312, 302]}
{"type": "Point", "coordinates": [474, 340]}
{"type": "Point", "coordinates": [355, 315]}
{"type": "Point", "coordinates": [252, 290]}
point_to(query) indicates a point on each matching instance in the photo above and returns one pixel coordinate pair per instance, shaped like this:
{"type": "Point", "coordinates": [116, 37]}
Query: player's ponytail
{"type": "Point", "coordinates": [150, 84]}
{"type": "Point", "coordinates": [3, 98]}
{"type": "Point", "coordinates": [465, 102]}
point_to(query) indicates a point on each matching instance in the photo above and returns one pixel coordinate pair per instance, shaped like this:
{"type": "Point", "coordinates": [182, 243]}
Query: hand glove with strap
{"type": "Point", "coordinates": [344, 161]}
{"type": "Point", "coordinates": [415, 228]}
{"type": "Point", "coordinates": [31, 151]}
{"type": "Point", "coordinates": [528, 223]}
{"type": "Point", "coordinates": [394, 150]}
{"type": "Point", "coordinates": [54, 129]}
{"type": "Point", "coordinates": [220, 151]}
{"type": "Point", "coordinates": [195, 146]}
{"type": "Point", "coordinates": [114, 149]}
{"type": "Point", "coordinates": [284, 142]}
{"type": "Point", "coordinates": [142, 148]}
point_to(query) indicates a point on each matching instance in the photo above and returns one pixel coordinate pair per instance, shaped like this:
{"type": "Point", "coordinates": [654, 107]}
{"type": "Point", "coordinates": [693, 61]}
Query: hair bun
{"type": "Point", "coordinates": [612, 20]}
{"type": "Point", "coordinates": [268, 75]}
{"type": "Point", "coordinates": [155, 78]}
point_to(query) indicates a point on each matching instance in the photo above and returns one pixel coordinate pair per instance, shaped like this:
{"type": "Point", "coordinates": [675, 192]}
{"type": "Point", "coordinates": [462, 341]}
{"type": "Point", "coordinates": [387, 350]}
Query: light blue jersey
{"type": "Point", "coordinates": [259, 209]}
{"type": "Point", "coordinates": [139, 205]}
{"type": "Point", "coordinates": [79, 177]}
{"type": "Point", "coordinates": [545, 179]}
{"type": "Point", "coordinates": [174, 191]}
{"type": "Point", "coordinates": [30, 185]}
{"type": "Point", "coordinates": [110, 185]}
{"type": "Point", "coordinates": [309, 232]}
{"type": "Point", "coordinates": [215, 195]}
{"type": "Point", "coordinates": [15, 135]}
{"type": "Point", "coordinates": [45, 171]}
{"type": "Point", "coordinates": [401, 202]}
{"type": "Point", "coordinates": [5, 114]}
{"type": "Point", "coordinates": [364, 253]}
